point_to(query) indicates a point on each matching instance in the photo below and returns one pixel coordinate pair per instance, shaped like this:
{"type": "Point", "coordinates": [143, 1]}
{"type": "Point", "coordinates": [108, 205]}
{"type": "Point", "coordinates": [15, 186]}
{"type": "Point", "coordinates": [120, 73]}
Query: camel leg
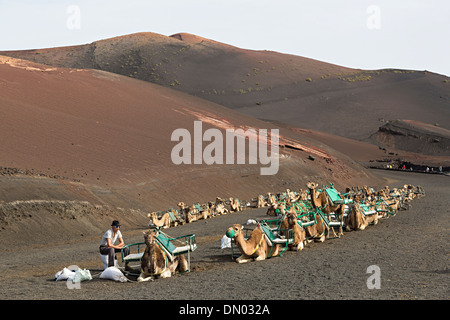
{"type": "Point", "coordinates": [327, 232]}
{"type": "Point", "coordinates": [166, 274]}
{"type": "Point", "coordinates": [298, 247]}
{"type": "Point", "coordinates": [375, 221]}
{"type": "Point", "coordinates": [183, 264]}
{"type": "Point", "coordinates": [242, 259]}
{"type": "Point", "coordinates": [341, 231]}
{"type": "Point", "coordinates": [334, 233]}
{"type": "Point", "coordinates": [321, 239]}
{"type": "Point", "coordinates": [143, 277]}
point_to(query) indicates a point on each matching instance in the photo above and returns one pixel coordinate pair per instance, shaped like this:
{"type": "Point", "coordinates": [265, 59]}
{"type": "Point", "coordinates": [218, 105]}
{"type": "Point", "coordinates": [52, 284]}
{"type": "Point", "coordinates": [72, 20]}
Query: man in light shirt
{"type": "Point", "coordinates": [108, 246]}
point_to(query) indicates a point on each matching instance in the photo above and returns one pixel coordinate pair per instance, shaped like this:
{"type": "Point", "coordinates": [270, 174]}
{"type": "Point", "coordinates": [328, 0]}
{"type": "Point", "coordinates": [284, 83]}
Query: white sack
{"type": "Point", "coordinates": [82, 275]}
{"type": "Point", "coordinates": [225, 242]}
{"type": "Point", "coordinates": [65, 274]}
{"type": "Point", "coordinates": [113, 273]}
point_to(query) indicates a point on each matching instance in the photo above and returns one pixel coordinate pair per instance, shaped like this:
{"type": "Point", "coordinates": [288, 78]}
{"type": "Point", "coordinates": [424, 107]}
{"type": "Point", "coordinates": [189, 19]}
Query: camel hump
{"type": "Point", "coordinates": [256, 236]}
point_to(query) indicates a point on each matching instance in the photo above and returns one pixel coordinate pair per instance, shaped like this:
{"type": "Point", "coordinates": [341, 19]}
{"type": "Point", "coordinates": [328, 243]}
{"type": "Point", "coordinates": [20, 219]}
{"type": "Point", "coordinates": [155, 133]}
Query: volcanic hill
{"type": "Point", "coordinates": [294, 90]}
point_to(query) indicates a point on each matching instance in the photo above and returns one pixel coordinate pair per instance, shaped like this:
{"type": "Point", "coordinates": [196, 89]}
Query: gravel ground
{"type": "Point", "coordinates": [410, 250]}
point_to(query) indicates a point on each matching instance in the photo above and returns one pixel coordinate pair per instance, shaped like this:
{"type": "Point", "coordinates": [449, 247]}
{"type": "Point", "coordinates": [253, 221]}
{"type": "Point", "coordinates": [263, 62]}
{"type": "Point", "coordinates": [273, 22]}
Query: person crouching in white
{"type": "Point", "coordinates": [108, 246]}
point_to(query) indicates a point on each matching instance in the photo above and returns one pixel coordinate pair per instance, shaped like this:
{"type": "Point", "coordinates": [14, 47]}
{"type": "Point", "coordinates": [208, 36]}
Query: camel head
{"type": "Point", "coordinates": [234, 231]}
{"type": "Point", "coordinates": [151, 215]}
{"type": "Point", "coordinates": [149, 237]}
{"type": "Point", "coordinates": [291, 218]}
{"type": "Point", "coordinates": [181, 205]}
{"type": "Point", "coordinates": [312, 185]}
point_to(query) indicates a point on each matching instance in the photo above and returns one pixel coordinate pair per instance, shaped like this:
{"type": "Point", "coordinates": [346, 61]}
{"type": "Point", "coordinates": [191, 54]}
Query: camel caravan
{"type": "Point", "coordinates": [188, 214]}
{"type": "Point", "coordinates": [314, 214]}
{"type": "Point", "coordinates": [295, 220]}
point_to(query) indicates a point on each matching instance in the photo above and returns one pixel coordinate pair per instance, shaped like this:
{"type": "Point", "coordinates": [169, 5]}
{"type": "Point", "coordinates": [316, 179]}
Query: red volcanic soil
{"type": "Point", "coordinates": [88, 135]}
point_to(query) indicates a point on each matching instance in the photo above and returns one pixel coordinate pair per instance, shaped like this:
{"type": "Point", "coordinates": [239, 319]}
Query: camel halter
{"type": "Point", "coordinates": [230, 233]}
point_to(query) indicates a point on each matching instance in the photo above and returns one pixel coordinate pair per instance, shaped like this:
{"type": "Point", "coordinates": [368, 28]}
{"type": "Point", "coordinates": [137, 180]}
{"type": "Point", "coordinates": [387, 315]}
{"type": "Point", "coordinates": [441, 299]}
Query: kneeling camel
{"type": "Point", "coordinates": [155, 262]}
{"type": "Point", "coordinates": [255, 248]}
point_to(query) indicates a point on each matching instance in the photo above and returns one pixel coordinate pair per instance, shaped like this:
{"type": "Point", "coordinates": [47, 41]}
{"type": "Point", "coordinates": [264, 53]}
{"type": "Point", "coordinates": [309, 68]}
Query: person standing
{"type": "Point", "coordinates": [108, 246]}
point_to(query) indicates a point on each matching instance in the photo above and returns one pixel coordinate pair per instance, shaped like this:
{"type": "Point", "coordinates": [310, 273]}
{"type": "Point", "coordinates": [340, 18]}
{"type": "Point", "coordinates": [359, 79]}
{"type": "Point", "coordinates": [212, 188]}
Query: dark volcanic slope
{"type": "Point", "coordinates": [414, 136]}
{"type": "Point", "coordinates": [268, 85]}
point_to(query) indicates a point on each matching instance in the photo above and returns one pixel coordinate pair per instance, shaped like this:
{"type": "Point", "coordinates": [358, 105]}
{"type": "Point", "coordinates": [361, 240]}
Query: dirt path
{"type": "Point", "coordinates": [410, 250]}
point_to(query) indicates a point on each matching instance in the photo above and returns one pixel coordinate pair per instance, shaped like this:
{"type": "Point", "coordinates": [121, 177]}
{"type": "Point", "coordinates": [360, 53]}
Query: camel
{"type": "Point", "coordinates": [299, 234]}
{"type": "Point", "coordinates": [201, 211]}
{"type": "Point", "coordinates": [322, 201]}
{"type": "Point", "coordinates": [301, 206]}
{"type": "Point", "coordinates": [284, 226]}
{"type": "Point", "coordinates": [271, 199]}
{"type": "Point", "coordinates": [303, 195]}
{"type": "Point", "coordinates": [356, 220]}
{"type": "Point", "coordinates": [272, 210]}
{"type": "Point", "coordinates": [218, 209]}
{"type": "Point", "coordinates": [318, 231]}
{"type": "Point", "coordinates": [385, 208]}
{"type": "Point", "coordinates": [155, 262]}
{"type": "Point", "coordinates": [408, 191]}
{"type": "Point", "coordinates": [163, 222]}
{"type": "Point", "coordinates": [420, 191]}
{"type": "Point", "coordinates": [206, 213]}
{"type": "Point", "coordinates": [392, 202]}
{"type": "Point", "coordinates": [292, 196]}
{"type": "Point", "coordinates": [255, 248]}
{"type": "Point", "coordinates": [413, 192]}
{"type": "Point", "coordinates": [234, 205]}
{"type": "Point", "coordinates": [261, 202]}
{"type": "Point", "coordinates": [368, 191]}
{"type": "Point", "coordinates": [190, 213]}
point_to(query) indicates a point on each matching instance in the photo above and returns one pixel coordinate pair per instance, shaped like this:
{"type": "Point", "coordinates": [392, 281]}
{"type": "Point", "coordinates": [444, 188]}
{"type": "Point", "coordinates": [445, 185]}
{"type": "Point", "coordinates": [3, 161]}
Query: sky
{"type": "Point", "coordinates": [364, 34]}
